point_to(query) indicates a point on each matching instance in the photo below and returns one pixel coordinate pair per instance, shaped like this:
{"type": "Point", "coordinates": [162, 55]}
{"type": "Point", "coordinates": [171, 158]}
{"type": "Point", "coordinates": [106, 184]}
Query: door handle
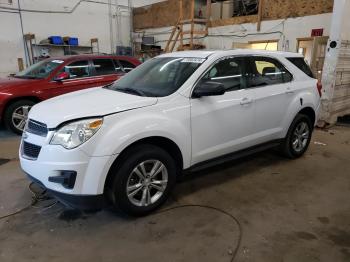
{"type": "Point", "coordinates": [289, 91]}
{"type": "Point", "coordinates": [246, 101]}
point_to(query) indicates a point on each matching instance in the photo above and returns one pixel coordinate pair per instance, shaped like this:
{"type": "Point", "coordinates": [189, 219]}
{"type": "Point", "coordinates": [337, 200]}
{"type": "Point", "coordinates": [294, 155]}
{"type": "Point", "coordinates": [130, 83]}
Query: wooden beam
{"type": "Point", "coordinates": [258, 26]}
{"type": "Point", "coordinates": [192, 23]}
{"type": "Point", "coordinates": [174, 43]}
{"type": "Point", "coordinates": [181, 17]}
{"type": "Point", "coordinates": [208, 15]}
{"type": "Point", "coordinates": [176, 27]}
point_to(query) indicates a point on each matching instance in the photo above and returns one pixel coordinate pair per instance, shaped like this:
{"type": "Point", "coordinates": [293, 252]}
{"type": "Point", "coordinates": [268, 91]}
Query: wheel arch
{"type": "Point", "coordinates": [162, 142]}
{"type": "Point", "coordinates": [310, 112]}
{"type": "Point", "coordinates": [15, 99]}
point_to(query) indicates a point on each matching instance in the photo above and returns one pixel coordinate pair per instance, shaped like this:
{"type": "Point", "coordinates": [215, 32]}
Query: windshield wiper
{"type": "Point", "coordinates": [131, 91]}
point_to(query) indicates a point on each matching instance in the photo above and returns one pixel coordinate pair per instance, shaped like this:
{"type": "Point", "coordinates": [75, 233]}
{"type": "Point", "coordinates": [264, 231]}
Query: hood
{"type": "Point", "coordinates": [86, 103]}
{"type": "Point", "coordinates": [10, 82]}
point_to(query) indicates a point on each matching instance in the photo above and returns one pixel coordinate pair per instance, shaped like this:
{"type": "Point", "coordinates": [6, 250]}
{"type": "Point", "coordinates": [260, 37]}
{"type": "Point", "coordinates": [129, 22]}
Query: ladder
{"type": "Point", "coordinates": [178, 32]}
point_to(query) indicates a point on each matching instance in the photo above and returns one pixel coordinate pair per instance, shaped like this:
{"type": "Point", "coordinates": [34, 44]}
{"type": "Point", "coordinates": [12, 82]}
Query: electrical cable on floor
{"type": "Point", "coordinates": [240, 231]}
{"type": "Point", "coordinates": [36, 198]}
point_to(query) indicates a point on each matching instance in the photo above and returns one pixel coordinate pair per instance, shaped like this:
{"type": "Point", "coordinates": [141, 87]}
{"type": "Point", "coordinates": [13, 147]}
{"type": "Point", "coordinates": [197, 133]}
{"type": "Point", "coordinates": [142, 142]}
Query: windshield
{"type": "Point", "coordinates": [39, 70]}
{"type": "Point", "coordinates": [158, 77]}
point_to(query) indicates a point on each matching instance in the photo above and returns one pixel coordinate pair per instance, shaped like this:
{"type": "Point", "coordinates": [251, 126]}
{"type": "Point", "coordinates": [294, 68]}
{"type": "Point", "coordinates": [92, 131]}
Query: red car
{"type": "Point", "coordinates": [53, 77]}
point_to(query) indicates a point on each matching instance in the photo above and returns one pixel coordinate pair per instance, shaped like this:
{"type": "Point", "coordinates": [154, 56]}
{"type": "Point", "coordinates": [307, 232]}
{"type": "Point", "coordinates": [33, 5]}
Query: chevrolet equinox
{"type": "Point", "coordinates": [125, 143]}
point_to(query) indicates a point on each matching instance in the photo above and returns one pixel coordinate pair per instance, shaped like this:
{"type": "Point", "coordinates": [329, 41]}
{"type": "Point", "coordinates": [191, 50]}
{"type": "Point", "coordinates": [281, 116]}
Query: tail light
{"type": "Point", "coordinates": [319, 87]}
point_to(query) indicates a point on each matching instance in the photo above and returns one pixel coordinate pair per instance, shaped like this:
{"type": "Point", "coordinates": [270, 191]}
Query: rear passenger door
{"type": "Point", "coordinates": [104, 71]}
{"type": "Point", "coordinates": [273, 94]}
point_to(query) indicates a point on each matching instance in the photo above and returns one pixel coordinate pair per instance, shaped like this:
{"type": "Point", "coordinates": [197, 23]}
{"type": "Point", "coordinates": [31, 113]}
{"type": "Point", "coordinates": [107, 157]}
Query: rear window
{"type": "Point", "coordinates": [300, 63]}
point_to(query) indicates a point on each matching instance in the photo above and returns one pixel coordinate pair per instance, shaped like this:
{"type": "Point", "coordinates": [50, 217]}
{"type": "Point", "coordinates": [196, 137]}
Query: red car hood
{"type": "Point", "coordinates": [10, 82]}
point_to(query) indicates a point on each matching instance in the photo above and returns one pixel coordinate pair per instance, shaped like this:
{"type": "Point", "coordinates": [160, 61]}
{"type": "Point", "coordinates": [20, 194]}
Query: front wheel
{"type": "Point", "coordinates": [143, 180]}
{"type": "Point", "coordinates": [16, 115]}
{"type": "Point", "coordinates": [298, 137]}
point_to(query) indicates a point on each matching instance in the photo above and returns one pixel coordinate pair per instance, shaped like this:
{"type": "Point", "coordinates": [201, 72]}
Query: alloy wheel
{"type": "Point", "coordinates": [301, 136]}
{"type": "Point", "coordinates": [20, 116]}
{"type": "Point", "coordinates": [147, 183]}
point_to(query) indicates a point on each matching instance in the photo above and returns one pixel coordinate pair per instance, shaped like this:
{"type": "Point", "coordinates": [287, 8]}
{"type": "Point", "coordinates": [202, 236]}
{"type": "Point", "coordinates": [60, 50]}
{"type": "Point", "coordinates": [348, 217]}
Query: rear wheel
{"type": "Point", "coordinates": [298, 137]}
{"type": "Point", "coordinates": [16, 115]}
{"type": "Point", "coordinates": [143, 180]}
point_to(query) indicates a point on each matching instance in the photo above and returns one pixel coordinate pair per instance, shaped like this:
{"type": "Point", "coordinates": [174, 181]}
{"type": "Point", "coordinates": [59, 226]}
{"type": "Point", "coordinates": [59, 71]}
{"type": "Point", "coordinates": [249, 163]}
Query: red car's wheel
{"type": "Point", "coordinates": [16, 115]}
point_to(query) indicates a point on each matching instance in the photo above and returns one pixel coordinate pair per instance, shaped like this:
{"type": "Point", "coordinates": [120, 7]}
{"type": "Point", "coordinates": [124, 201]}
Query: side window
{"type": "Point", "coordinates": [300, 63]}
{"type": "Point", "coordinates": [103, 66]}
{"type": "Point", "coordinates": [268, 71]}
{"type": "Point", "coordinates": [118, 67]}
{"type": "Point", "coordinates": [78, 69]}
{"type": "Point", "coordinates": [230, 72]}
{"type": "Point", "coordinates": [126, 65]}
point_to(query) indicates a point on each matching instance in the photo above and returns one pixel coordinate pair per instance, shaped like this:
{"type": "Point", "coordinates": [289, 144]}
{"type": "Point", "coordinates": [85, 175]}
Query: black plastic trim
{"type": "Point", "coordinates": [233, 156]}
{"type": "Point", "coordinates": [81, 202]}
{"type": "Point", "coordinates": [66, 178]}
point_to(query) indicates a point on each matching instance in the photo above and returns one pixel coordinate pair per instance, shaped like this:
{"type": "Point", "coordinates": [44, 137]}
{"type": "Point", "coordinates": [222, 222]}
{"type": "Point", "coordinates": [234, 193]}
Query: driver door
{"type": "Point", "coordinates": [80, 77]}
{"type": "Point", "coordinates": [223, 124]}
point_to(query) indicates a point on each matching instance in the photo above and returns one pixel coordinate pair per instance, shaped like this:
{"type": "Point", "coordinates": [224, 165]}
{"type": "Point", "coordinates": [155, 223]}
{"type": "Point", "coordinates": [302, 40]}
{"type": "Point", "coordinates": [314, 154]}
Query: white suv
{"type": "Point", "coordinates": [125, 143]}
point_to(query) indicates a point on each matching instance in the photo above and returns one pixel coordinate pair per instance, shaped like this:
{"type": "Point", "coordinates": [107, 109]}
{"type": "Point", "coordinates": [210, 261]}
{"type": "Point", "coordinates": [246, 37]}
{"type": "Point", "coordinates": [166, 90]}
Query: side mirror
{"type": "Point", "coordinates": [208, 88]}
{"type": "Point", "coordinates": [62, 76]}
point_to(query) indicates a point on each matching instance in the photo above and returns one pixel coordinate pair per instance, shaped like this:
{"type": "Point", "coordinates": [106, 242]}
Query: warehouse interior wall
{"type": "Point", "coordinates": [286, 31]}
{"type": "Point", "coordinates": [79, 18]}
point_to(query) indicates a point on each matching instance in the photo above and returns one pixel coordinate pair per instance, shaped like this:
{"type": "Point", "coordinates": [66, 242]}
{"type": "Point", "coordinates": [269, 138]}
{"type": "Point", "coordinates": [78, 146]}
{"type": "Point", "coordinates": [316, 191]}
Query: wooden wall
{"type": "Point", "coordinates": [167, 13]}
{"type": "Point", "coordinates": [160, 14]}
{"type": "Point", "coordinates": [275, 9]}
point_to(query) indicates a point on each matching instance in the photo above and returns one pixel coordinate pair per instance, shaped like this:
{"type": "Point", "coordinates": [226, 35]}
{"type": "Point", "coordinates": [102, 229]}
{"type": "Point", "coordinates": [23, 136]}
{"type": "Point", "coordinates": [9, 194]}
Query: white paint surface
{"type": "Point", "coordinates": [201, 128]}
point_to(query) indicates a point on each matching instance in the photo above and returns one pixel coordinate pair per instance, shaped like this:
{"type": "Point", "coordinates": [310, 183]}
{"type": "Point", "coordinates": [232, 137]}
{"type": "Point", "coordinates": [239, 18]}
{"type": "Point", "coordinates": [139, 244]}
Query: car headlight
{"type": "Point", "coordinates": [76, 133]}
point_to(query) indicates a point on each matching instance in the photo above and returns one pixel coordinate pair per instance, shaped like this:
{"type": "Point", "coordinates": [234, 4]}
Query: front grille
{"type": "Point", "coordinates": [30, 150]}
{"type": "Point", "coordinates": [36, 128]}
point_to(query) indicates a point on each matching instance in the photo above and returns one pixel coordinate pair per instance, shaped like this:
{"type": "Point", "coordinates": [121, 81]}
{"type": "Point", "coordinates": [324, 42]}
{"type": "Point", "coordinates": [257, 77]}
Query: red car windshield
{"type": "Point", "coordinates": [39, 70]}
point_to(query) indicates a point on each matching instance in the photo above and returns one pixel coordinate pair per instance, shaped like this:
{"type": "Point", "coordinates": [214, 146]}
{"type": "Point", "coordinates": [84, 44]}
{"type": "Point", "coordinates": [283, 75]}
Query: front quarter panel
{"type": "Point", "coordinates": [169, 118]}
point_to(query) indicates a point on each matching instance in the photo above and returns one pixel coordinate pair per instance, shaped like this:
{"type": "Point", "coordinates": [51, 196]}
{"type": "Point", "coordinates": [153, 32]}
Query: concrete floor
{"type": "Point", "coordinates": [289, 211]}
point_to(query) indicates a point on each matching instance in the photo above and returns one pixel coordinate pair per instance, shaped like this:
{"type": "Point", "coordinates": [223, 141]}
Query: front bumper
{"type": "Point", "coordinates": [82, 202]}
{"type": "Point", "coordinates": [86, 190]}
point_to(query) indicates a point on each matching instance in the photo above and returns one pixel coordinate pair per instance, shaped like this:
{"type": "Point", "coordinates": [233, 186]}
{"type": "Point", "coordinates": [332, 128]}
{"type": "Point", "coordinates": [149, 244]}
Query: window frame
{"type": "Point", "coordinates": [60, 70]}
{"type": "Point", "coordinates": [246, 66]}
{"type": "Point", "coordinates": [252, 65]}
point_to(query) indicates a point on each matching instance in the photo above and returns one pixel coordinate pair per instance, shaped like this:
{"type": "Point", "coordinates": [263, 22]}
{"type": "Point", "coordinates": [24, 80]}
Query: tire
{"type": "Point", "coordinates": [300, 130]}
{"type": "Point", "coordinates": [124, 176]}
{"type": "Point", "coordinates": [16, 124]}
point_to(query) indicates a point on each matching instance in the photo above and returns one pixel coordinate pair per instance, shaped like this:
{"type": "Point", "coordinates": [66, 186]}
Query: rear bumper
{"type": "Point", "coordinates": [82, 202]}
